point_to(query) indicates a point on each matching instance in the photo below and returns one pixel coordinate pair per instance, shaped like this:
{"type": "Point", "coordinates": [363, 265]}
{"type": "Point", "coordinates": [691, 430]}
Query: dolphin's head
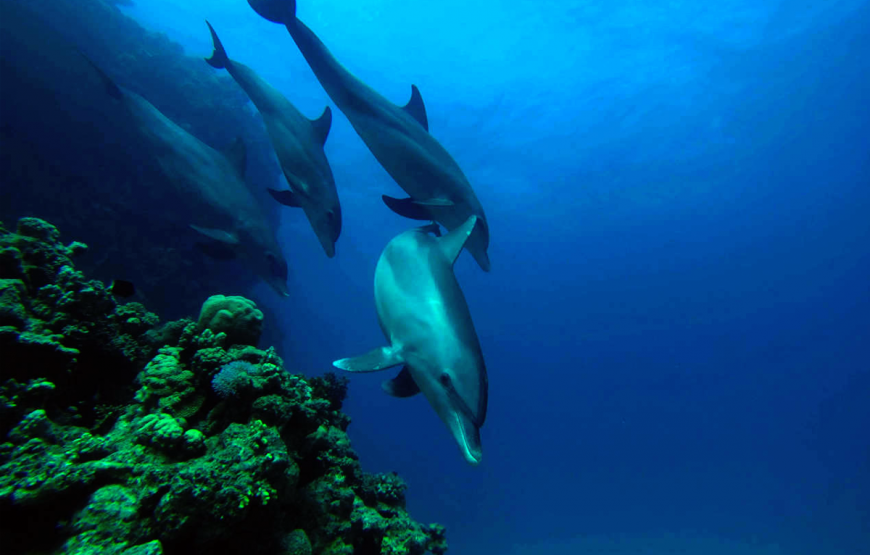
{"type": "Point", "coordinates": [459, 396]}
{"type": "Point", "coordinates": [478, 243]}
{"type": "Point", "coordinates": [326, 222]}
{"type": "Point", "coordinates": [260, 251]}
{"type": "Point", "coordinates": [274, 271]}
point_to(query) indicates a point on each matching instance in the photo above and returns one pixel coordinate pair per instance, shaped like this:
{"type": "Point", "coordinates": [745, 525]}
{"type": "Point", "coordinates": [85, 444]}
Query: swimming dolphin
{"type": "Point", "coordinates": [298, 142]}
{"type": "Point", "coordinates": [397, 136]}
{"type": "Point", "coordinates": [208, 185]}
{"type": "Point", "coordinates": [425, 318]}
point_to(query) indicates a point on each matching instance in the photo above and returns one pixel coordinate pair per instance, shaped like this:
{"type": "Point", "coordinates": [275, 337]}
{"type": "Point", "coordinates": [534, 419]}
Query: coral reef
{"type": "Point", "coordinates": [115, 439]}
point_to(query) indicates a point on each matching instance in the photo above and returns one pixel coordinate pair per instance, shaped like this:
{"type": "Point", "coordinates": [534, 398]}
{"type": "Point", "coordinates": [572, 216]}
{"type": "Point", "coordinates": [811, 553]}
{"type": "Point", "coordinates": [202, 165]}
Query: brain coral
{"type": "Point", "coordinates": [237, 317]}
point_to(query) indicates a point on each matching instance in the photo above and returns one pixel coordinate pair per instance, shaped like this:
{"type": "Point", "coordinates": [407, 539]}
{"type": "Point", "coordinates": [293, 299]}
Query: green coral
{"type": "Point", "coordinates": [163, 464]}
{"type": "Point", "coordinates": [167, 384]}
{"type": "Point", "coordinates": [159, 430]}
{"type": "Point", "coordinates": [237, 317]}
{"type": "Point", "coordinates": [57, 325]}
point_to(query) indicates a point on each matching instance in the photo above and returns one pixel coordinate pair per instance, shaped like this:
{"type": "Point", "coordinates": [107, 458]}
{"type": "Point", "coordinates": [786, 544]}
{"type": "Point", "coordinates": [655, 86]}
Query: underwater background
{"type": "Point", "coordinates": [676, 322]}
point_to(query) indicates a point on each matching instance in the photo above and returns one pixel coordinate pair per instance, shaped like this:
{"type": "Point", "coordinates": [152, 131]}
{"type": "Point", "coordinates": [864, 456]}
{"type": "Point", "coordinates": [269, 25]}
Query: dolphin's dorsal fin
{"type": "Point", "coordinates": [220, 235]}
{"type": "Point", "coordinates": [416, 109]}
{"type": "Point", "coordinates": [237, 155]}
{"type": "Point", "coordinates": [374, 360]}
{"type": "Point", "coordinates": [403, 385]}
{"type": "Point", "coordinates": [452, 243]}
{"type": "Point", "coordinates": [285, 197]}
{"type": "Point", "coordinates": [322, 124]}
{"type": "Point", "coordinates": [219, 58]}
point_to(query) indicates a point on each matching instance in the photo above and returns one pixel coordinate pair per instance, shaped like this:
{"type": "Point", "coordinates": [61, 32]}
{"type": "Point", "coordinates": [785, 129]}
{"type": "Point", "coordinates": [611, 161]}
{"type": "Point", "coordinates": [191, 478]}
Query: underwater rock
{"type": "Point", "coordinates": [235, 316]}
{"type": "Point", "coordinates": [122, 443]}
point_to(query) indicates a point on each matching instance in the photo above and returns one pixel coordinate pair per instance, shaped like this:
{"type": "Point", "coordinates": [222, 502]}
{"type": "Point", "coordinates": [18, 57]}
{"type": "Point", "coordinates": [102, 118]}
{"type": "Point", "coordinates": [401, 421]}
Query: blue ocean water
{"type": "Point", "coordinates": [675, 325]}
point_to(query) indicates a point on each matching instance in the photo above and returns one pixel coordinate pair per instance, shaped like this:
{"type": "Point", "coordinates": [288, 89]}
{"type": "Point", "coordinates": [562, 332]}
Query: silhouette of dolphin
{"type": "Point", "coordinates": [425, 318]}
{"type": "Point", "coordinates": [298, 143]}
{"type": "Point", "coordinates": [208, 183]}
{"type": "Point", "coordinates": [397, 136]}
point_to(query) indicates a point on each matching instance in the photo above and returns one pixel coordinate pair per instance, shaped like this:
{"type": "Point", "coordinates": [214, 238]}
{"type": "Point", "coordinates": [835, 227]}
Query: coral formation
{"type": "Point", "coordinates": [237, 317]}
{"type": "Point", "coordinates": [114, 440]}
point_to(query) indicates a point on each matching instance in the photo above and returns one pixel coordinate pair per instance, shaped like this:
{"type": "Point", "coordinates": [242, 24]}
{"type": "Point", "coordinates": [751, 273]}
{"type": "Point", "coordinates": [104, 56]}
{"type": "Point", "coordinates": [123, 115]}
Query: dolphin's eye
{"type": "Point", "coordinates": [444, 379]}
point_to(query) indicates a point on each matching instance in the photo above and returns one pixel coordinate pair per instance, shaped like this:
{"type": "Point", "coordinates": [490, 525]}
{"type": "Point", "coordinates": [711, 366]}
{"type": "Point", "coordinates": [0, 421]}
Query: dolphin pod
{"type": "Point", "coordinates": [420, 306]}
{"type": "Point", "coordinates": [419, 303]}
{"type": "Point", "coordinates": [397, 136]}
{"type": "Point", "coordinates": [298, 143]}
{"type": "Point", "coordinates": [426, 321]}
{"type": "Point", "coordinates": [211, 184]}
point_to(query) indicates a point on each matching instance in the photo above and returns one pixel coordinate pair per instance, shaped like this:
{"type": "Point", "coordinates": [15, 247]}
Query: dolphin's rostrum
{"type": "Point", "coordinates": [298, 143]}
{"type": "Point", "coordinates": [425, 318]}
{"type": "Point", "coordinates": [398, 137]}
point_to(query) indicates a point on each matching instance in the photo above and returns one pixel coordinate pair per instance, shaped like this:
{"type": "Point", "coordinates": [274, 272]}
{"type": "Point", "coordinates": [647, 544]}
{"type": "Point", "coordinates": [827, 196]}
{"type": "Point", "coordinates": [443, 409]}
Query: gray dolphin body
{"type": "Point", "coordinates": [397, 136]}
{"type": "Point", "coordinates": [208, 185]}
{"type": "Point", "coordinates": [425, 318]}
{"type": "Point", "coordinates": [298, 143]}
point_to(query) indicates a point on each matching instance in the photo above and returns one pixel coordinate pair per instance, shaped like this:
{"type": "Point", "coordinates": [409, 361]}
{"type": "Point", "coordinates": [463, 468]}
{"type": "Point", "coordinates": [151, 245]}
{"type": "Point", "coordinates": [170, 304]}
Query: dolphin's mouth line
{"type": "Point", "coordinates": [463, 406]}
{"type": "Point", "coordinates": [465, 444]}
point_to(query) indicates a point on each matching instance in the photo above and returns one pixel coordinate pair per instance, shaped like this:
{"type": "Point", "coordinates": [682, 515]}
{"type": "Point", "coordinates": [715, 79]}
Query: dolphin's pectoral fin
{"type": "Point", "coordinates": [322, 124]}
{"type": "Point", "coordinates": [216, 250]}
{"type": "Point", "coordinates": [219, 235]}
{"type": "Point", "coordinates": [434, 202]}
{"type": "Point", "coordinates": [237, 155]}
{"type": "Point", "coordinates": [403, 385]}
{"type": "Point", "coordinates": [452, 243]}
{"type": "Point", "coordinates": [416, 109]}
{"type": "Point", "coordinates": [374, 360]}
{"type": "Point", "coordinates": [414, 209]}
{"type": "Point", "coordinates": [407, 208]}
{"type": "Point", "coordinates": [111, 88]}
{"type": "Point", "coordinates": [286, 197]}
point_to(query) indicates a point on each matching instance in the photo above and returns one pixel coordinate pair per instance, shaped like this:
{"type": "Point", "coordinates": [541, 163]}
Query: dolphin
{"type": "Point", "coordinates": [398, 136]}
{"type": "Point", "coordinates": [298, 143]}
{"type": "Point", "coordinates": [206, 185]}
{"type": "Point", "coordinates": [426, 321]}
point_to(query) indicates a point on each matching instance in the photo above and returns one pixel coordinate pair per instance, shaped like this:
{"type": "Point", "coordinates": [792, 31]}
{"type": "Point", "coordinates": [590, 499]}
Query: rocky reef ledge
{"type": "Point", "coordinates": [125, 435]}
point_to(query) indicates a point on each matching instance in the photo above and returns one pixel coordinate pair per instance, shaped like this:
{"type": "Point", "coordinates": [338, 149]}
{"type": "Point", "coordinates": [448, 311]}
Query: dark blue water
{"type": "Point", "coordinates": [676, 322]}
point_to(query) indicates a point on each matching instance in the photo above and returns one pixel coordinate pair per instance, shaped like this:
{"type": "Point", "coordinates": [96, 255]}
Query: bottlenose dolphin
{"type": "Point", "coordinates": [208, 184]}
{"type": "Point", "coordinates": [425, 318]}
{"type": "Point", "coordinates": [397, 136]}
{"type": "Point", "coordinates": [298, 143]}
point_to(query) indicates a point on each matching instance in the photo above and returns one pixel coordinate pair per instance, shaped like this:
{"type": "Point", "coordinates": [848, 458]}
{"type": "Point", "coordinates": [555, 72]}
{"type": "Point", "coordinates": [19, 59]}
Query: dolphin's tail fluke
{"type": "Point", "coordinates": [219, 57]}
{"type": "Point", "coordinates": [278, 11]}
